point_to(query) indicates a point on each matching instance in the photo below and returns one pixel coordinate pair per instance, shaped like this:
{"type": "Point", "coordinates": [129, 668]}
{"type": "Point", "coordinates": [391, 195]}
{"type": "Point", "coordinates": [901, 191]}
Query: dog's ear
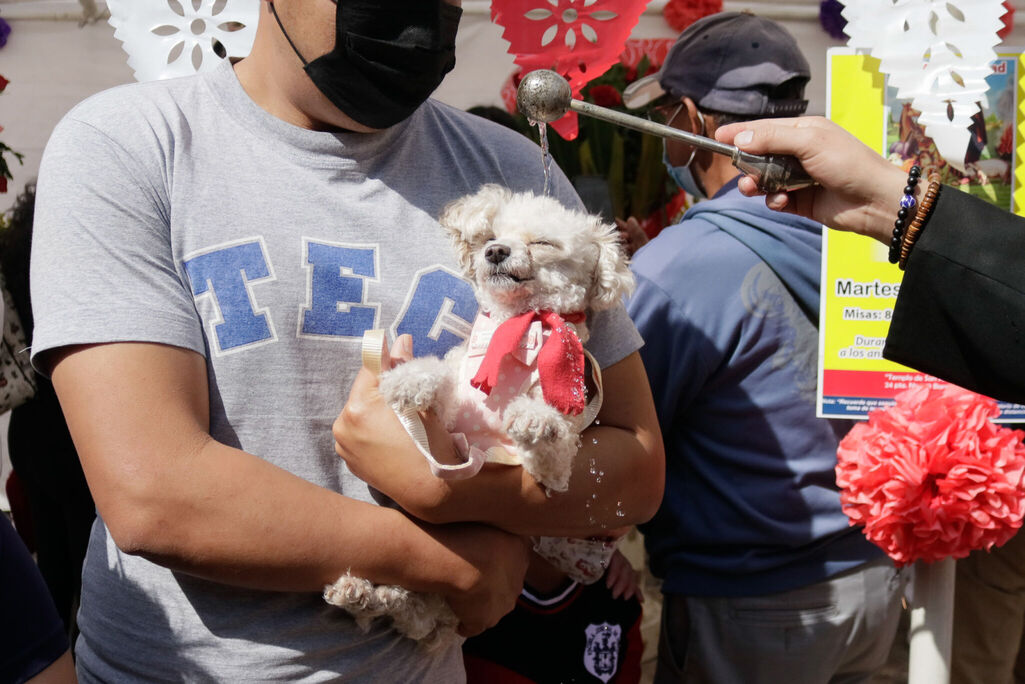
{"type": "Point", "coordinates": [613, 278]}
{"type": "Point", "coordinates": [468, 221]}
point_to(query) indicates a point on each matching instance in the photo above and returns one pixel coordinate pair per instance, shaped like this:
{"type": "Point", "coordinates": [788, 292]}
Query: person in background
{"type": "Point", "coordinates": [763, 578]}
{"type": "Point", "coordinates": [564, 631]}
{"type": "Point", "coordinates": [958, 316]}
{"type": "Point", "coordinates": [33, 642]}
{"type": "Point", "coordinates": [207, 255]}
{"type": "Point", "coordinates": [42, 453]}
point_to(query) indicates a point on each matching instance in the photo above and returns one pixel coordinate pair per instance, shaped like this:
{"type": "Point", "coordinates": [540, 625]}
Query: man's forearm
{"type": "Point", "coordinates": [617, 480]}
{"type": "Point", "coordinates": [231, 517]}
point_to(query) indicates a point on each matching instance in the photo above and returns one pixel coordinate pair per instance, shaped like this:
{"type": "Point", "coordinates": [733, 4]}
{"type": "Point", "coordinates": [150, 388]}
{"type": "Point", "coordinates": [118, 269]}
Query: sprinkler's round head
{"type": "Point", "coordinates": [543, 96]}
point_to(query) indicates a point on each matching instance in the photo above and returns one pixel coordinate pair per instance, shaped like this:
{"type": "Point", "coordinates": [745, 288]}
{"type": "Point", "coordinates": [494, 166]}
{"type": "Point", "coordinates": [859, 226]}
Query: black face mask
{"type": "Point", "coordinates": [388, 57]}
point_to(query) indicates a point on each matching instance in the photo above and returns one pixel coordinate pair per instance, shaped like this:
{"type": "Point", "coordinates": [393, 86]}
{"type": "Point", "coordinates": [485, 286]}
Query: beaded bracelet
{"type": "Point", "coordinates": [907, 202]}
{"type": "Point", "coordinates": [921, 216]}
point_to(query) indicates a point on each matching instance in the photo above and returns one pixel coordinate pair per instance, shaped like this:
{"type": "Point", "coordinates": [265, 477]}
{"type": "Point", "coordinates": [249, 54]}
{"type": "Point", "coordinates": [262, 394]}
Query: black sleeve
{"type": "Point", "coordinates": [961, 307]}
{"type": "Point", "coordinates": [31, 634]}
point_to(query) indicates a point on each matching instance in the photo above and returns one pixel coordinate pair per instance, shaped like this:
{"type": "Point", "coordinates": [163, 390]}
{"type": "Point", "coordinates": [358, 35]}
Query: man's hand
{"type": "Point", "coordinates": [631, 235]}
{"type": "Point", "coordinates": [377, 449]}
{"type": "Point", "coordinates": [858, 189]}
{"type": "Point", "coordinates": [622, 579]}
{"type": "Point", "coordinates": [487, 586]}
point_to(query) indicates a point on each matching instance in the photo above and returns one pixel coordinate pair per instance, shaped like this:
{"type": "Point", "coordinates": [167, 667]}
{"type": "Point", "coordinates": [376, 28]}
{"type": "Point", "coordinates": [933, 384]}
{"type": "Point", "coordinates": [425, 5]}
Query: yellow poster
{"type": "Point", "coordinates": [859, 286]}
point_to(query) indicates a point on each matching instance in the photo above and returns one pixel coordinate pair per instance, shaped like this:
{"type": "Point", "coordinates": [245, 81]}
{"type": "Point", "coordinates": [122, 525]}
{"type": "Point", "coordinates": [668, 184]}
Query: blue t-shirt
{"type": "Point", "coordinates": [751, 504]}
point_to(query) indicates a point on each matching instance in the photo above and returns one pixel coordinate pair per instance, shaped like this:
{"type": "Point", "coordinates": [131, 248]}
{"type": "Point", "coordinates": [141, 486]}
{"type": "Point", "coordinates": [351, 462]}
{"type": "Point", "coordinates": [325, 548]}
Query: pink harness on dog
{"type": "Point", "coordinates": [510, 372]}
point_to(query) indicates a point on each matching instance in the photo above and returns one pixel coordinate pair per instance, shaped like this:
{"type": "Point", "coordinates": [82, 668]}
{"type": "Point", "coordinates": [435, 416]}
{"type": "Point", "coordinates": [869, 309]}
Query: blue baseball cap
{"type": "Point", "coordinates": [729, 62]}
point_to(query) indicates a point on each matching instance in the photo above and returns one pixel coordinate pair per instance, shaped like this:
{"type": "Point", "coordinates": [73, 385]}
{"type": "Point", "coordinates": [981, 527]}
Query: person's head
{"type": "Point", "coordinates": [353, 64]}
{"type": "Point", "coordinates": [727, 67]}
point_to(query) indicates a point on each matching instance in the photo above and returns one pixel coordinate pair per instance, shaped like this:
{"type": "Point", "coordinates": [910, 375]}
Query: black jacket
{"type": "Point", "coordinates": [960, 313]}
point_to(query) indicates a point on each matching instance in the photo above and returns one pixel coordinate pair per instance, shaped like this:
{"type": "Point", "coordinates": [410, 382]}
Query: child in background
{"type": "Point", "coordinates": [564, 631]}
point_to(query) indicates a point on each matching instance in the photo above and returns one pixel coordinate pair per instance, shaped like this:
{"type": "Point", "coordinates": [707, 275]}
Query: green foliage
{"type": "Point", "coordinates": [5, 170]}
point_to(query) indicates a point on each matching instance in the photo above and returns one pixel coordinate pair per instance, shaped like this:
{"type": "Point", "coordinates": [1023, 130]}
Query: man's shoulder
{"type": "Point", "coordinates": [134, 116]}
{"type": "Point", "coordinates": [751, 210]}
{"type": "Point", "coordinates": [115, 105]}
{"type": "Point", "coordinates": [694, 240]}
{"type": "Point", "coordinates": [470, 126]}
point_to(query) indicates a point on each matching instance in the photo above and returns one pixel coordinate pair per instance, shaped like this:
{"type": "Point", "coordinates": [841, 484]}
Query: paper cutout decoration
{"type": "Point", "coordinates": [636, 49]}
{"type": "Point", "coordinates": [1007, 19]}
{"type": "Point", "coordinates": [580, 39]}
{"type": "Point", "coordinates": [169, 38]}
{"type": "Point", "coordinates": [937, 54]}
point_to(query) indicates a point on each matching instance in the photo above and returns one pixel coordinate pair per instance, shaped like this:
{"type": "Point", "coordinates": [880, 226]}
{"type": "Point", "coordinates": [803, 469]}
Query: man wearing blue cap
{"type": "Point", "coordinates": [764, 580]}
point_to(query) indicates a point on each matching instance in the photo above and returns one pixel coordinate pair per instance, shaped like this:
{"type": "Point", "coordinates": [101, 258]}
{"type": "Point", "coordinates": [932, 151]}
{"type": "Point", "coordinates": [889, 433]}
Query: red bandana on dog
{"type": "Point", "coordinates": [560, 362]}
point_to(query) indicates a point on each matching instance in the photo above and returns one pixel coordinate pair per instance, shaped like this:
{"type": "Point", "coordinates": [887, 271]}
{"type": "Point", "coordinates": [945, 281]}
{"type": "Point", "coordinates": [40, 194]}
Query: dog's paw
{"type": "Point", "coordinates": [420, 384]}
{"type": "Point", "coordinates": [550, 464]}
{"type": "Point", "coordinates": [545, 439]}
{"type": "Point", "coordinates": [530, 422]}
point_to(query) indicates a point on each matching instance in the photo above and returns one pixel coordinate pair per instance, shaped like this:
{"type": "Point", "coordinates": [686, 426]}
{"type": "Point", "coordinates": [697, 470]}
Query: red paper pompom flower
{"type": "Point", "coordinates": [932, 477]}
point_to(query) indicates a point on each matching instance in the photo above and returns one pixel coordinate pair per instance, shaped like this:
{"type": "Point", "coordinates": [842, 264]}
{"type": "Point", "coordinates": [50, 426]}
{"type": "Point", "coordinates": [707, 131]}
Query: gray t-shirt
{"type": "Point", "coordinates": [180, 212]}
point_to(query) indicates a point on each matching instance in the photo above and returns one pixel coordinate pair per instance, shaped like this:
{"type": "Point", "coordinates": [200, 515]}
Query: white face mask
{"type": "Point", "coordinates": [682, 175]}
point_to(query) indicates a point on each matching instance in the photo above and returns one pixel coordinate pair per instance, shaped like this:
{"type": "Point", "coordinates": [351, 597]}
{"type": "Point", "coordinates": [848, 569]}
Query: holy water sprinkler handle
{"type": "Point", "coordinates": [544, 96]}
{"type": "Point", "coordinates": [773, 173]}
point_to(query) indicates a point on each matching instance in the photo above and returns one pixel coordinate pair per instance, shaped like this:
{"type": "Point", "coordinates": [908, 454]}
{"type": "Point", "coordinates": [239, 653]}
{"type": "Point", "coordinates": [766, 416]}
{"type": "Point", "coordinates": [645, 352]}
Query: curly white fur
{"type": "Point", "coordinates": [425, 618]}
{"type": "Point", "coordinates": [523, 253]}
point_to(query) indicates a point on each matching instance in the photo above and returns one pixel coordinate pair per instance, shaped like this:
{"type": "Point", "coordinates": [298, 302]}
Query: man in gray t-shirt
{"type": "Point", "coordinates": [208, 253]}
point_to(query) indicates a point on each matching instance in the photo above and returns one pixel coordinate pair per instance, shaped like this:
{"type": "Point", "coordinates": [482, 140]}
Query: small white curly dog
{"type": "Point", "coordinates": [517, 385]}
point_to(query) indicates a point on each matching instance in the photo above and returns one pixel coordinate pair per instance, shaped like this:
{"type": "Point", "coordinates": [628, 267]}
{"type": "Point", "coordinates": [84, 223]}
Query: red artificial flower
{"type": "Point", "coordinates": [605, 95]}
{"type": "Point", "coordinates": [3, 83]}
{"type": "Point", "coordinates": [932, 477]}
{"type": "Point", "coordinates": [637, 49]}
{"type": "Point", "coordinates": [680, 14]}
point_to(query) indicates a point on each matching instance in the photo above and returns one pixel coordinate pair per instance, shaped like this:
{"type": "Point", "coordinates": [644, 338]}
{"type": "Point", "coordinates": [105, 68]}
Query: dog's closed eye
{"type": "Point", "coordinates": [543, 243]}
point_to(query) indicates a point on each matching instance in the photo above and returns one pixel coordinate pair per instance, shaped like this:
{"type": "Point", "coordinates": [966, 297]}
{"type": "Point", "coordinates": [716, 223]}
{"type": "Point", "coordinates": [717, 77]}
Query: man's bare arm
{"type": "Point", "coordinates": [169, 492]}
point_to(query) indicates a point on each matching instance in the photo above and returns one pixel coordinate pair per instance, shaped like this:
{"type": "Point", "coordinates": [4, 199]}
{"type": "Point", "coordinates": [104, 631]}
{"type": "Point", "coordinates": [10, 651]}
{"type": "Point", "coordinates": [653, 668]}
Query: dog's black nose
{"type": "Point", "coordinates": [496, 254]}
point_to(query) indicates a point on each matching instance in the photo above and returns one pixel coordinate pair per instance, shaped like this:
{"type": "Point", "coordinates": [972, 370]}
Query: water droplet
{"type": "Point", "coordinates": [546, 157]}
{"type": "Point", "coordinates": [620, 514]}
{"type": "Point", "coordinates": [594, 440]}
{"type": "Point", "coordinates": [598, 479]}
